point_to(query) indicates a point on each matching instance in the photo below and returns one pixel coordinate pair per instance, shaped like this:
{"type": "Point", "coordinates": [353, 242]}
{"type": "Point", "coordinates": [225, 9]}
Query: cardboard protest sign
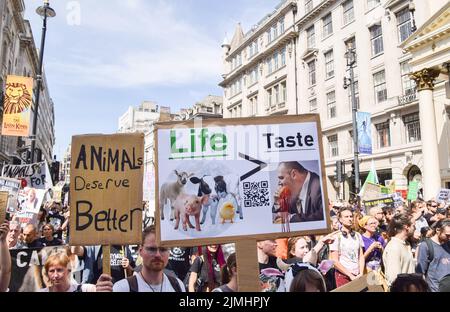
{"type": "Point", "coordinates": [390, 184]}
{"type": "Point", "coordinates": [413, 188]}
{"type": "Point", "coordinates": [17, 106]}
{"type": "Point", "coordinates": [57, 193]}
{"type": "Point", "coordinates": [228, 180]}
{"type": "Point", "coordinates": [364, 283]}
{"type": "Point", "coordinates": [371, 191]}
{"type": "Point", "coordinates": [106, 189]}
{"type": "Point", "coordinates": [443, 195]}
{"type": "Point", "coordinates": [3, 205]}
{"type": "Point", "coordinates": [36, 175]}
{"type": "Point", "coordinates": [11, 186]}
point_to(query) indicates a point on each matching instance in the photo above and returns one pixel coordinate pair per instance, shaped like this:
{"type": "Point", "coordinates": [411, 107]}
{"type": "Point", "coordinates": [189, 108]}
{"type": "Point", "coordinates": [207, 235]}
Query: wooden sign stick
{"type": "Point", "coordinates": [247, 266]}
{"type": "Point", "coordinates": [106, 259]}
{"type": "Point", "coordinates": [124, 256]}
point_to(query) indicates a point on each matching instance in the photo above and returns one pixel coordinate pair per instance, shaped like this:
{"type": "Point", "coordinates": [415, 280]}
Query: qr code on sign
{"type": "Point", "coordinates": [256, 194]}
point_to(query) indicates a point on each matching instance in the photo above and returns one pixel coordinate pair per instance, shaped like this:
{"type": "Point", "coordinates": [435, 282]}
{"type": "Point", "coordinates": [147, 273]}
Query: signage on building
{"type": "Point", "coordinates": [227, 180]}
{"type": "Point", "coordinates": [17, 105]}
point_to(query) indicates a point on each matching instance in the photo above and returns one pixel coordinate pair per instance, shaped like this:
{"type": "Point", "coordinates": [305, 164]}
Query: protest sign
{"type": "Point", "coordinates": [390, 184]}
{"type": "Point", "coordinates": [413, 188]}
{"type": "Point", "coordinates": [3, 205]}
{"type": "Point", "coordinates": [57, 193]}
{"type": "Point", "coordinates": [36, 175]}
{"type": "Point", "coordinates": [387, 201]}
{"type": "Point", "coordinates": [11, 186]}
{"type": "Point", "coordinates": [371, 191]}
{"type": "Point", "coordinates": [443, 195]}
{"type": "Point", "coordinates": [365, 283]}
{"type": "Point", "coordinates": [106, 189]}
{"type": "Point", "coordinates": [223, 176]}
{"type": "Point", "coordinates": [27, 267]}
{"type": "Point", "coordinates": [17, 104]}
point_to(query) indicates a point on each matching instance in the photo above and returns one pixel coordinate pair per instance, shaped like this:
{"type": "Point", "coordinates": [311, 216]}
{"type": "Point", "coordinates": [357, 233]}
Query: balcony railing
{"type": "Point", "coordinates": [408, 98]}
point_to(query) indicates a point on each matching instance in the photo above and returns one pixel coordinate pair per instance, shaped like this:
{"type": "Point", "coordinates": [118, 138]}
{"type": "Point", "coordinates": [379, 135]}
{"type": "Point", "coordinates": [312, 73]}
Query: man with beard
{"type": "Point", "coordinates": [151, 278]}
{"type": "Point", "coordinates": [13, 236]}
{"type": "Point", "coordinates": [397, 256]}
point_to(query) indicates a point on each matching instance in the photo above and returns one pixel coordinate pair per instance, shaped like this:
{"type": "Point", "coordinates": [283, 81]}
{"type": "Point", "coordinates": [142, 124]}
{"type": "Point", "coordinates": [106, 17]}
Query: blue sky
{"type": "Point", "coordinates": [102, 56]}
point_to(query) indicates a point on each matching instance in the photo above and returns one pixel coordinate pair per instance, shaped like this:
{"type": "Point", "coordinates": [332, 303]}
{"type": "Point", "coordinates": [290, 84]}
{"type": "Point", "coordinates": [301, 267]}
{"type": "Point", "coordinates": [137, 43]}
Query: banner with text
{"type": "Point", "coordinates": [364, 125]}
{"type": "Point", "coordinates": [106, 177]}
{"type": "Point", "coordinates": [17, 106]}
{"type": "Point", "coordinates": [223, 180]}
{"type": "Point", "coordinates": [36, 175]}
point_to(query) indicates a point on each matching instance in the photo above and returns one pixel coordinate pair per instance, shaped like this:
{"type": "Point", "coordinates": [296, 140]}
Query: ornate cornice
{"type": "Point", "coordinates": [425, 78]}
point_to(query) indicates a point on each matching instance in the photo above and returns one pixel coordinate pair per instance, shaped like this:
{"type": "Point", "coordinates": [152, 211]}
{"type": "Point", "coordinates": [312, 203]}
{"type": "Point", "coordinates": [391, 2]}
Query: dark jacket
{"type": "Point", "coordinates": [313, 205]}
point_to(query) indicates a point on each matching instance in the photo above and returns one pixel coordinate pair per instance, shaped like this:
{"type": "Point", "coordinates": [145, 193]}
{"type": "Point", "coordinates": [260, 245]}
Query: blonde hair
{"type": "Point", "coordinates": [59, 258]}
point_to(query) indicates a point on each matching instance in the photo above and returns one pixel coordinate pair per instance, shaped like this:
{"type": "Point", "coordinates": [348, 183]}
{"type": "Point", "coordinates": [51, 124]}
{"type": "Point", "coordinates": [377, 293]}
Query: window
{"type": "Point", "coordinates": [333, 149]}
{"type": "Point", "coordinates": [412, 125]}
{"type": "Point", "coordinates": [310, 37]}
{"type": "Point", "coordinates": [379, 82]}
{"type": "Point", "coordinates": [283, 56]}
{"type": "Point", "coordinates": [269, 36]}
{"type": "Point", "coordinates": [356, 96]}
{"type": "Point", "coordinates": [276, 95]}
{"type": "Point", "coordinates": [308, 5]}
{"type": "Point", "coordinates": [209, 110]}
{"type": "Point", "coordinates": [383, 134]}
{"type": "Point", "coordinates": [409, 86]}
{"type": "Point", "coordinates": [275, 60]}
{"type": "Point", "coordinates": [327, 25]}
{"type": "Point", "coordinates": [372, 3]}
{"type": "Point", "coordinates": [269, 65]}
{"type": "Point", "coordinates": [253, 76]}
{"type": "Point", "coordinates": [376, 38]}
{"type": "Point", "coordinates": [329, 64]}
{"type": "Point", "coordinates": [404, 24]}
{"type": "Point", "coordinates": [269, 98]}
{"type": "Point", "coordinates": [281, 26]}
{"type": "Point", "coordinates": [253, 105]}
{"type": "Point", "coordinates": [283, 91]}
{"type": "Point", "coordinates": [313, 106]}
{"type": "Point", "coordinates": [349, 13]}
{"type": "Point", "coordinates": [331, 104]}
{"type": "Point", "coordinates": [274, 32]}
{"type": "Point", "coordinates": [312, 73]}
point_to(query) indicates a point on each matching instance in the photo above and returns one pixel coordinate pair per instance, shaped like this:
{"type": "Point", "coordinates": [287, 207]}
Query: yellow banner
{"type": "Point", "coordinates": [17, 106]}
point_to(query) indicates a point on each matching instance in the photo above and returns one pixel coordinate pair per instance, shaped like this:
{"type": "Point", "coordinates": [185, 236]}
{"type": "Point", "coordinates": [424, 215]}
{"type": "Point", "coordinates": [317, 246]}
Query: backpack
{"type": "Point", "coordinates": [430, 253]}
{"type": "Point", "coordinates": [200, 282]}
{"type": "Point", "coordinates": [133, 283]}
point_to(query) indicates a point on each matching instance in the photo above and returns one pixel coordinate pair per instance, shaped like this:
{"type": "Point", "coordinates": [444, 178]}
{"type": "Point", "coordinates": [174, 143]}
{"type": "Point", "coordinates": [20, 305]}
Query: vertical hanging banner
{"type": "Point", "coordinates": [36, 175]}
{"type": "Point", "coordinates": [106, 177]}
{"type": "Point", "coordinates": [17, 106]}
{"type": "Point", "coordinates": [239, 179]}
{"type": "Point", "coordinates": [364, 125]}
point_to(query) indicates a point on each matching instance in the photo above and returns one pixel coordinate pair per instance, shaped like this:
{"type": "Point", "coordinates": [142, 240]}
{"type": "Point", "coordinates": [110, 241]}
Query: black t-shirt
{"type": "Point", "coordinates": [202, 268]}
{"type": "Point", "coordinates": [54, 242]}
{"type": "Point", "coordinates": [272, 263]}
{"type": "Point", "coordinates": [57, 220]}
{"type": "Point", "coordinates": [117, 271]}
{"type": "Point", "coordinates": [35, 244]}
{"type": "Point", "coordinates": [179, 261]}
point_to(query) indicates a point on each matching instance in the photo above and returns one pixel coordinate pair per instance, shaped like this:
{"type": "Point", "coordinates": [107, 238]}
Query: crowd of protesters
{"type": "Point", "coordinates": [408, 247]}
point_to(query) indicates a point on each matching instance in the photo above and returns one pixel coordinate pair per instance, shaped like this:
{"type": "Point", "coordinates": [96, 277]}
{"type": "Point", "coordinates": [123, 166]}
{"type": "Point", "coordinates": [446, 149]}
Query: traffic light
{"type": "Point", "coordinates": [353, 168]}
{"type": "Point", "coordinates": [338, 171]}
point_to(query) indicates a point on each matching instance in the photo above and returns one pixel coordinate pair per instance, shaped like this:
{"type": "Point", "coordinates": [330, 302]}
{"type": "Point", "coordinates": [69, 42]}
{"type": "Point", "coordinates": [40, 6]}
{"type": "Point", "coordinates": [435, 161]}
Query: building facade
{"type": "Point", "coordinates": [209, 107]}
{"type": "Point", "coordinates": [19, 56]}
{"type": "Point", "coordinates": [64, 169]}
{"type": "Point", "coordinates": [298, 51]}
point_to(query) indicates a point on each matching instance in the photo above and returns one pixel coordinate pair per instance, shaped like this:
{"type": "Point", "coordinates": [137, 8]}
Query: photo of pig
{"type": "Point", "coordinates": [188, 205]}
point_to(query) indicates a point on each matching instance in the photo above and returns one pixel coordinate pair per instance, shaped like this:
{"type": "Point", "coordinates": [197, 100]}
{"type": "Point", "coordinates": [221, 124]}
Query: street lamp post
{"type": "Point", "coordinates": [350, 56]}
{"type": "Point", "coordinates": [45, 11]}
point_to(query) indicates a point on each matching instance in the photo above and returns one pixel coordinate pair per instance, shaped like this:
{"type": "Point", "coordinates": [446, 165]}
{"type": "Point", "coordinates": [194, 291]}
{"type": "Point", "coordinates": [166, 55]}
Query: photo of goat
{"type": "Point", "coordinates": [170, 190]}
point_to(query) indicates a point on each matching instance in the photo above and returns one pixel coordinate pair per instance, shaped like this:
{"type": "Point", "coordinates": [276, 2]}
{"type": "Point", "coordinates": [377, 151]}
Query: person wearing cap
{"type": "Point", "coordinates": [373, 243]}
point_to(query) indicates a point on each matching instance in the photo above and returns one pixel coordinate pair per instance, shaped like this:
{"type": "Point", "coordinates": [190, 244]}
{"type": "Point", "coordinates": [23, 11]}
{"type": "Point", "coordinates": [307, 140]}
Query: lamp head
{"type": "Point", "coordinates": [45, 10]}
{"type": "Point", "coordinates": [411, 6]}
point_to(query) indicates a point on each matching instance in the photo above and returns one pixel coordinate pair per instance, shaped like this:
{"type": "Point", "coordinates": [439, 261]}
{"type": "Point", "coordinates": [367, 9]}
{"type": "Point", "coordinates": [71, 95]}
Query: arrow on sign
{"type": "Point", "coordinates": [261, 166]}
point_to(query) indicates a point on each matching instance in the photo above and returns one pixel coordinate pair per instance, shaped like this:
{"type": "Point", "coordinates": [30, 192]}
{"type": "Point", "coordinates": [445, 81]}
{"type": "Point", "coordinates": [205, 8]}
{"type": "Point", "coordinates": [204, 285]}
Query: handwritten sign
{"type": "Point", "coordinates": [372, 191]}
{"type": "Point", "coordinates": [3, 205]}
{"type": "Point", "coordinates": [106, 189]}
{"type": "Point", "coordinates": [444, 195]}
{"type": "Point", "coordinates": [36, 175]}
{"type": "Point", "coordinates": [11, 186]}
